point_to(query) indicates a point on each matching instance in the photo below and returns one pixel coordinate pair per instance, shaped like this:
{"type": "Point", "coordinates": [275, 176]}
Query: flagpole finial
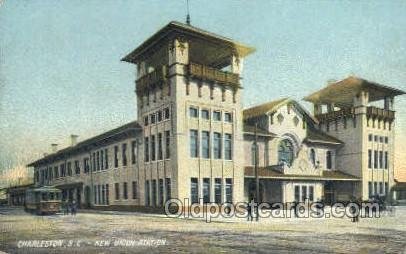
{"type": "Point", "coordinates": [188, 15]}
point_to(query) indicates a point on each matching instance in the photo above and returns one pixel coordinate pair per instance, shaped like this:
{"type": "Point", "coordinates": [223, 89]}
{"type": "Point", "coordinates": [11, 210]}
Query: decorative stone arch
{"type": "Point", "coordinates": [294, 139]}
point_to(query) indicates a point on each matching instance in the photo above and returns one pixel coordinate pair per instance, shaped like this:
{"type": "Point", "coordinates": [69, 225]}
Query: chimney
{"type": "Point", "coordinates": [54, 148]}
{"type": "Point", "coordinates": [73, 139]}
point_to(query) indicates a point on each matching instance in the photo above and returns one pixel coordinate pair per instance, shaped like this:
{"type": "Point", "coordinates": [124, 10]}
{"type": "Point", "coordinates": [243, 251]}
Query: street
{"type": "Point", "coordinates": [121, 232]}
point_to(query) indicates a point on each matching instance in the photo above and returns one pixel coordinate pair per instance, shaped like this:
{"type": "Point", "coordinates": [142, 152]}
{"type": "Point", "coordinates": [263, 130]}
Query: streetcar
{"type": "Point", "coordinates": [43, 200]}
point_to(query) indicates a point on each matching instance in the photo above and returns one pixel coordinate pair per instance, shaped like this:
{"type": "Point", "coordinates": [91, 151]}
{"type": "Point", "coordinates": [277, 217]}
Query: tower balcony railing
{"type": "Point", "coordinates": [151, 79]}
{"type": "Point", "coordinates": [379, 113]}
{"type": "Point", "coordinates": [371, 112]}
{"type": "Point", "coordinates": [344, 112]}
{"type": "Point", "coordinates": [204, 72]}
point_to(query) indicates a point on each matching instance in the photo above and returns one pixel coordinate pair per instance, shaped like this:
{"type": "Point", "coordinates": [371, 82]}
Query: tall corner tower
{"type": "Point", "coordinates": [188, 86]}
{"type": "Point", "coordinates": [361, 114]}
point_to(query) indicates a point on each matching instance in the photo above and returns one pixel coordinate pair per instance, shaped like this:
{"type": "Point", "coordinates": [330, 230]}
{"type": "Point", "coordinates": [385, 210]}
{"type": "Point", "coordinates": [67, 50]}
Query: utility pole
{"type": "Point", "coordinates": [256, 170]}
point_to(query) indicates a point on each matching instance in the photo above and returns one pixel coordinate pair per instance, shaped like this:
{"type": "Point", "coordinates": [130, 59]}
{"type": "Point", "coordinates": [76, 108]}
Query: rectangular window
{"type": "Point", "coordinates": [386, 188]}
{"type": "Point", "coordinates": [77, 167]}
{"type": "Point", "coordinates": [376, 138]}
{"type": "Point", "coordinates": [375, 188]}
{"type": "Point", "coordinates": [370, 190]}
{"type": "Point", "coordinates": [194, 148]}
{"type": "Point", "coordinates": [146, 149]}
{"type": "Point", "coordinates": [106, 158]}
{"type": "Point", "coordinates": [193, 112]}
{"type": "Point", "coordinates": [375, 159]}
{"type": "Point", "coordinates": [216, 115]}
{"type": "Point", "coordinates": [380, 159]}
{"type": "Point", "coordinates": [116, 156]}
{"type": "Point", "coordinates": [153, 152]}
{"type": "Point", "coordinates": [69, 168]}
{"type": "Point", "coordinates": [369, 158]}
{"type": "Point", "coordinates": [63, 172]}
{"type": "Point", "coordinates": [228, 148]}
{"type": "Point", "coordinates": [217, 145]}
{"type": "Point", "coordinates": [194, 191]}
{"type": "Point", "coordinates": [103, 194]}
{"type": "Point", "coordinates": [102, 159]}
{"type": "Point", "coordinates": [228, 118]}
{"type": "Point", "coordinates": [205, 114]}
{"type": "Point", "coordinates": [133, 151]}
{"type": "Point", "coordinates": [147, 190]}
{"type": "Point", "coordinates": [56, 171]}
{"type": "Point", "coordinates": [159, 116]}
{"type": "Point", "coordinates": [160, 154]}
{"type": "Point", "coordinates": [168, 188]}
{"type": "Point", "coordinates": [311, 193]}
{"type": "Point", "coordinates": [153, 119]}
{"type": "Point", "coordinates": [135, 194]}
{"type": "Point", "coordinates": [99, 194]}
{"type": "Point", "coordinates": [154, 192]}
{"type": "Point", "coordinates": [329, 160]}
{"type": "Point", "coordinates": [51, 173]}
{"type": "Point", "coordinates": [206, 190]}
{"type": "Point", "coordinates": [124, 154]}
{"type": "Point", "coordinates": [229, 190]}
{"type": "Point", "coordinates": [217, 190]}
{"type": "Point", "coordinates": [117, 190]}
{"type": "Point", "coordinates": [386, 140]}
{"type": "Point", "coordinates": [107, 194]}
{"type": "Point", "coordinates": [97, 161]}
{"type": "Point", "coordinates": [381, 139]}
{"type": "Point", "coordinates": [166, 113]}
{"type": "Point", "coordinates": [146, 121]}
{"type": "Point", "coordinates": [386, 160]}
{"type": "Point", "coordinates": [167, 144]}
{"type": "Point", "coordinates": [381, 188]}
{"type": "Point", "coordinates": [370, 137]}
{"type": "Point", "coordinates": [161, 192]}
{"type": "Point", "coordinates": [86, 165]}
{"type": "Point", "coordinates": [94, 194]}
{"type": "Point", "coordinates": [304, 193]}
{"type": "Point", "coordinates": [205, 144]}
{"type": "Point", "coordinates": [125, 190]}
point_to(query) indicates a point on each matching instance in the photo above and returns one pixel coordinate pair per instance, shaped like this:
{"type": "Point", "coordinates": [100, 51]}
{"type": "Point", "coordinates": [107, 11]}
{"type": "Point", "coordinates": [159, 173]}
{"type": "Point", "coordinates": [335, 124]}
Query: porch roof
{"type": "Point", "coordinates": [327, 175]}
{"type": "Point", "coordinates": [69, 185]}
{"type": "Point", "coordinates": [399, 186]}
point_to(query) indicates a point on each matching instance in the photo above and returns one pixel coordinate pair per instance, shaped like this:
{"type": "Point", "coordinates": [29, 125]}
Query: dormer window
{"type": "Point", "coordinates": [313, 156]}
{"type": "Point", "coordinates": [329, 160]}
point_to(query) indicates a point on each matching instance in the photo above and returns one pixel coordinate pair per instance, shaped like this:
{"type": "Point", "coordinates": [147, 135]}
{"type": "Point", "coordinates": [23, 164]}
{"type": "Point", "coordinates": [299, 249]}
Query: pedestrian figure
{"type": "Point", "coordinates": [74, 207]}
{"type": "Point", "coordinates": [353, 210]}
{"type": "Point", "coordinates": [64, 205]}
{"type": "Point", "coordinates": [249, 210]}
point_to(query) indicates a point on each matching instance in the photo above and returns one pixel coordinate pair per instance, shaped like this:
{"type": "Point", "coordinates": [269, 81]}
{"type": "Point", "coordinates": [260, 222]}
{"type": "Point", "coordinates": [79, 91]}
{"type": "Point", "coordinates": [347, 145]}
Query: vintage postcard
{"type": "Point", "coordinates": [197, 126]}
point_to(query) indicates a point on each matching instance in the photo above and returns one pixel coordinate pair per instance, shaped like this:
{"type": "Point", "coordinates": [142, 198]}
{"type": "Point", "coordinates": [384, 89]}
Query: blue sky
{"type": "Point", "coordinates": [60, 69]}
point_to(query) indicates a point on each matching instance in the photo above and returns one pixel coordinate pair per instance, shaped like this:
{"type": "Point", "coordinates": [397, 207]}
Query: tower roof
{"type": "Point", "coordinates": [215, 45]}
{"type": "Point", "coordinates": [343, 92]}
